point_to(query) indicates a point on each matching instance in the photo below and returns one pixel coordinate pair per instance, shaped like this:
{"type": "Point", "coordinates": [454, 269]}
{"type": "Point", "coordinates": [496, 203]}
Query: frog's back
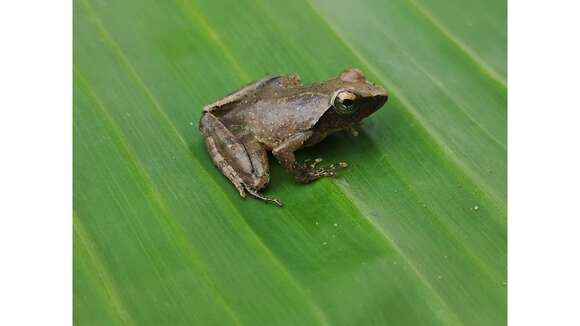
{"type": "Point", "coordinates": [272, 119]}
{"type": "Point", "coordinates": [251, 90]}
{"type": "Point", "coordinates": [271, 109]}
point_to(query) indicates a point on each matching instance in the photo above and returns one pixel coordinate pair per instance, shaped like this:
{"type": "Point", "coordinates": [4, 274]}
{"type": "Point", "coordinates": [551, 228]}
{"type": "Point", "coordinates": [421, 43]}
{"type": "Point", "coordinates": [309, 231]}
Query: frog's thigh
{"type": "Point", "coordinates": [244, 162]}
{"type": "Point", "coordinates": [226, 152]}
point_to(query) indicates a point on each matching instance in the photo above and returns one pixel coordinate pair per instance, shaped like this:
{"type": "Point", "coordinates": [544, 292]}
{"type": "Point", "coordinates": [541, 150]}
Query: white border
{"type": "Point", "coordinates": [35, 163]}
{"type": "Point", "coordinates": [544, 163]}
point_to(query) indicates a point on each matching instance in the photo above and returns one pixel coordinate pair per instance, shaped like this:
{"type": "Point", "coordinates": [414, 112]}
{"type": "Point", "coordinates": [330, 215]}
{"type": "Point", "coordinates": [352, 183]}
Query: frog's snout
{"type": "Point", "coordinates": [379, 92]}
{"type": "Point", "coordinates": [379, 96]}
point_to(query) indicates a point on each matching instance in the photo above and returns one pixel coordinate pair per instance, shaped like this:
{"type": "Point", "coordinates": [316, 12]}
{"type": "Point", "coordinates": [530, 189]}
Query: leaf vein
{"type": "Point", "coordinates": [106, 280]}
{"type": "Point", "coordinates": [466, 50]}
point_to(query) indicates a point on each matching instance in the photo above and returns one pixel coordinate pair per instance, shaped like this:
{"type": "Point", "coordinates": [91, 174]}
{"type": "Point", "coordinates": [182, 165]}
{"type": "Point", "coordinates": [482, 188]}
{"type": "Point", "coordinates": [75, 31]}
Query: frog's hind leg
{"type": "Point", "coordinates": [260, 175]}
{"type": "Point", "coordinates": [245, 164]}
{"type": "Point", "coordinates": [218, 159]}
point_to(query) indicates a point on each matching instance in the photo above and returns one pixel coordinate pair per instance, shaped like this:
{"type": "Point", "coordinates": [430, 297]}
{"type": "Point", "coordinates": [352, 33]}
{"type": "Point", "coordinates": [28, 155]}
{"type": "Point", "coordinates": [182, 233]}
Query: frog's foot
{"type": "Point", "coordinates": [312, 163]}
{"type": "Point", "coordinates": [336, 166]}
{"type": "Point", "coordinates": [333, 167]}
{"type": "Point", "coordinates": [310, 173]}
{"type": "Point", "coordinates": [353, 131]}
{"type": "Point", "coordinates": [264, 198]}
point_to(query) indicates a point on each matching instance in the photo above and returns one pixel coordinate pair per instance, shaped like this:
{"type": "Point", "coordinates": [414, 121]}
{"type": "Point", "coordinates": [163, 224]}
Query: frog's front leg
{"type": "Point", "coordinates": [302, 173]}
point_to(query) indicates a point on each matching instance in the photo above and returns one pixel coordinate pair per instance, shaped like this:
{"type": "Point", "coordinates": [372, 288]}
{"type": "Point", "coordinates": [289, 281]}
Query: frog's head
{"type": "Point", "coordinates": [354, 97]}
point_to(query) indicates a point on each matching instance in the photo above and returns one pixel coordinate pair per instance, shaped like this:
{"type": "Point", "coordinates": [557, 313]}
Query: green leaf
{"type": "Point", "coordinates": [412, 233]}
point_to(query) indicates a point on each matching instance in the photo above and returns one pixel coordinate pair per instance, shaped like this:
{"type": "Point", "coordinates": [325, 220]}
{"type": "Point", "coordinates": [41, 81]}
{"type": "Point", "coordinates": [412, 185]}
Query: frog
{"type": "Point", "coordinates": [278, 114]}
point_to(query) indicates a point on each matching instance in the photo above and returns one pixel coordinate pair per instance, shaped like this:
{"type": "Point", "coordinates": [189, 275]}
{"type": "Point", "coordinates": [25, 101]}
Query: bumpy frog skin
{"type": "Point", "coordinates": [280, 115]}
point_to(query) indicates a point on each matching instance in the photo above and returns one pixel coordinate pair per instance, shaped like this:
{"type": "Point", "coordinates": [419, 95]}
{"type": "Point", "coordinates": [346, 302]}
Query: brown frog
{"type": "Point", "coordinates": [280, 115]}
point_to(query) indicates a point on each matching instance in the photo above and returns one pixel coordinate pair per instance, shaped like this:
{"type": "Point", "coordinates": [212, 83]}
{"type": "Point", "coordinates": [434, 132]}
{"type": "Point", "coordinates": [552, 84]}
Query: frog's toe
{"type": "Point", "coordinates": [258, 195]}
{"type": "Point", "coordinates": [313, 163]}
{"type": "Point", "coordinates": [331, 169]}
{"type": "Point", "coordinates": [336, 166]}
{"type": "Point", "coordinates": [326, 173]}
{"type": "Point", "coordinates": [312, 175]}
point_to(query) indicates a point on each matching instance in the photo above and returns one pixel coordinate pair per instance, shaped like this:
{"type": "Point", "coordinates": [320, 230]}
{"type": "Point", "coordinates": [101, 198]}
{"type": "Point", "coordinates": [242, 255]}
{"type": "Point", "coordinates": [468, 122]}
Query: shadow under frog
{"type": "Point", "coordinates": [279, 115]}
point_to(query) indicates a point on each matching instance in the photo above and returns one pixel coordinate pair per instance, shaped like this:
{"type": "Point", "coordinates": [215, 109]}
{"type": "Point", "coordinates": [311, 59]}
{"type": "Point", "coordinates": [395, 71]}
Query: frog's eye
{"type": "Point", "coordinates": [343, 102]}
